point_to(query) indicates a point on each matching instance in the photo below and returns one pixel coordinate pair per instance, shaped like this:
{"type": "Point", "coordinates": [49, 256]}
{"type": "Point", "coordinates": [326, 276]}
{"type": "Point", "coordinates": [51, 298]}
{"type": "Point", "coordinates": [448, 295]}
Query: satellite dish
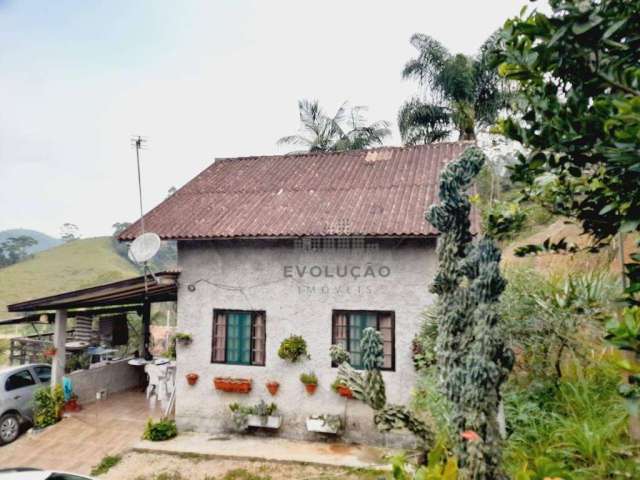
{"type": "Point", "coordinates": [144, 248]}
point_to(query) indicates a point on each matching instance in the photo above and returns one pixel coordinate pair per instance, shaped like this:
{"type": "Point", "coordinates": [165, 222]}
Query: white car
{"type": "Point", "coordinates": [35, 474]}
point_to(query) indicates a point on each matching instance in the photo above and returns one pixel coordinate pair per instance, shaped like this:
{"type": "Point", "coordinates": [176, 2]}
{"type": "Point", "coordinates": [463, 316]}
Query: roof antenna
{"type": "Point", "coordinates": [138, 143]}
{"type": "Point", "coordinates": [146, 245]}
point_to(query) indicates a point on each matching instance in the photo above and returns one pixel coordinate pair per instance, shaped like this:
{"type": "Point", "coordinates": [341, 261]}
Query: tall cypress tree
{"type": "Point", "coordinates": [473, 360]}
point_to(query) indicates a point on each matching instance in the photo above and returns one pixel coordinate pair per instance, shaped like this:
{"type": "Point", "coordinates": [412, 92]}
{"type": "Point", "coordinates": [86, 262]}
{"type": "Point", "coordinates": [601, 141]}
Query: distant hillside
{"type": "Point", "coordinates": [78, 264]}
{"type": "Point", "coordinates": [45, 242]}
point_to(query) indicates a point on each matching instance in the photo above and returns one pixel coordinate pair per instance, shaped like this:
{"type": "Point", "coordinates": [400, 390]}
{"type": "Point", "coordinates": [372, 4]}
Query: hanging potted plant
{"type": "Point", "coordinates": [192, 378]}
{"type": "Point", "coordinates": [273, 387]}
{"type": "Point", "coordinates": [183, 338]}
{"type": "Point", "coordinates": [261, 415]}
{"type": "Point", "coordinates": [310, 381]}
{"type": "Point", "coordinates": [293, 348]}
{"type": "Point", "coordinates": [341, 388]}
{"type": "Point", "coordinates": [50, 352]}
{"type": "Point", "coordinates": [232, 385]}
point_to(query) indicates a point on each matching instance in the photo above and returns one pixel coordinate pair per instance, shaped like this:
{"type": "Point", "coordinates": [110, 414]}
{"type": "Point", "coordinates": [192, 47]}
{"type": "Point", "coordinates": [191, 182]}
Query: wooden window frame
{"type": "Point", "coordinates": [253, 314]}
{"type": "Point", "coordinates": [378, 314]}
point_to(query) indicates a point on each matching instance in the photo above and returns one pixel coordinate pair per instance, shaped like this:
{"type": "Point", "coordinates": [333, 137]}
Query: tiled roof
{"type": "Point", "coordinates": [378, 192]}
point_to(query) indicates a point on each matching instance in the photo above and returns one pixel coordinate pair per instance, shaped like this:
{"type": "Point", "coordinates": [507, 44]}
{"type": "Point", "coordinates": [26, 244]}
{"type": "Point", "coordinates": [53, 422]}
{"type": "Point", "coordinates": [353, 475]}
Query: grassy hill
{"type": "Point", "coordinates": [78, 264]}
{"type": "Point", "coordinates": [45, 242]}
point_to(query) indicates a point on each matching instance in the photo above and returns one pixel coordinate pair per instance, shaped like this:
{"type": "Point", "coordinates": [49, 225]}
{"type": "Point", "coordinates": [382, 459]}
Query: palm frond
{"type": "Point", "coordinates": [431, 56]}
{"type": "Point", "coordinates": [422, 123]}
{"type": "Point", "coordinates": [294, 140]}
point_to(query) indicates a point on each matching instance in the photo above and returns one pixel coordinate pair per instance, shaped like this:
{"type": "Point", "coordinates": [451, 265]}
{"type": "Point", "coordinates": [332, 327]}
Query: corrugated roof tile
{"type": "Point", "coordinates": [378, 192]}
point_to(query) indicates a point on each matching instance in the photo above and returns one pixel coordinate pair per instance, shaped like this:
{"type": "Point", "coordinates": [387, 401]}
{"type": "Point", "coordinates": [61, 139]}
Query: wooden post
{"type": "Point", "coordinates": [59, 342]}
{"type": "Point", "coordinates": [146, 327]}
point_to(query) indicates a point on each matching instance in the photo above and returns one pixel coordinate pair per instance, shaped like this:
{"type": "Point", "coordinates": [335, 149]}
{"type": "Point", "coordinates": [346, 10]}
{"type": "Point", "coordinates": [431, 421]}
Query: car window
{"type": "Point", "coordinates": [43, 373]}
{"type": "Point", "coordinates": [21, 379]}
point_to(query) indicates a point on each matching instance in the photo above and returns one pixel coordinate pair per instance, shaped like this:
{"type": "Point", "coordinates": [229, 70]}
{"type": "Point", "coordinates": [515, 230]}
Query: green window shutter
{"type": "Point", "coordinates": [239, 338]}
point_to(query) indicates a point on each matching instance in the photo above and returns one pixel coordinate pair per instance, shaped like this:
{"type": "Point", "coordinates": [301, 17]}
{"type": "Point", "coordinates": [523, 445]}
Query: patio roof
{"type": "Point", "coordinates": [133, 291]}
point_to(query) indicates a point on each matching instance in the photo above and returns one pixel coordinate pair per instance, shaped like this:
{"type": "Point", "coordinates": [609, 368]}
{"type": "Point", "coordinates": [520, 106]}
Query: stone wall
{"type": "Point", "coordinates": [267, 275]}
{"type": "Point", "coordinates": [115, 377]}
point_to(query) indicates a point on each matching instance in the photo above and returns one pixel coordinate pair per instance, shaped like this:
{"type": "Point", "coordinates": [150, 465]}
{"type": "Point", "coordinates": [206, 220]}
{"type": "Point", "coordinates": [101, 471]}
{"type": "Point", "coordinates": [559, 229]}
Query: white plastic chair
{"type": "Point", "coordinates": [156, 377]}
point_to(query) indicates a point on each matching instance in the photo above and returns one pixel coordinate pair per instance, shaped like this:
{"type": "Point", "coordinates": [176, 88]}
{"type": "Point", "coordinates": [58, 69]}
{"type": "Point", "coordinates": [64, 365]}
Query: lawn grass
{"type": "Point", "coordinates": [105, 464]}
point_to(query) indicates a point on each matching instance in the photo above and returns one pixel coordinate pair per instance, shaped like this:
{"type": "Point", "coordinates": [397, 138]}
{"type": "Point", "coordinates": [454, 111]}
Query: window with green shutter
{"type": "Point", "coordinates": [239, 337]}
{"type": "Point", "coordinates": [347, 328]}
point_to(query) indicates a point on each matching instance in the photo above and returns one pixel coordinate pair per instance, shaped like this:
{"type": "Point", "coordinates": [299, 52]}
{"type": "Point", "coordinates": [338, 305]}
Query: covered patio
{"type": "Point", "coordinates": [134, 295]}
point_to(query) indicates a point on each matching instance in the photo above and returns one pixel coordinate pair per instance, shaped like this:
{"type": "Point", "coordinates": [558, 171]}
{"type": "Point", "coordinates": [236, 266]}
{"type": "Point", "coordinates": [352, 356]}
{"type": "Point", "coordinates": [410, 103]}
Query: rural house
{"type": "Point", "coordinates": [320, 245]}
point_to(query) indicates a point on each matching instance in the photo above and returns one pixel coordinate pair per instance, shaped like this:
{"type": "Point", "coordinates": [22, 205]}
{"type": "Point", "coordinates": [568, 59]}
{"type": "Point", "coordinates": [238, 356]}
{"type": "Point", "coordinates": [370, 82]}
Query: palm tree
{"type": "Point", "coordinates": [459, 92]}
{"type": "Point", "coordinates": [346, 130]}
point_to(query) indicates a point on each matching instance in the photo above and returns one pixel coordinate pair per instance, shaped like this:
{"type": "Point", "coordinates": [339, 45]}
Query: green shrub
{"type": "Point", "coordinates": [549, 320]}
{"type": "Point", "coordinates": [573, 429]}
{"type": "Point", "coordinates": [293, 349]}
{"type": "Point", "coordinates": [48, 404]}
{"type": "Point", "coordinates": [105, 464]}
{"type": "Point", "coordinates": [160, 430]}
{"type": "Point", "coordinates": [503, 220]}
{"type": "Point", "coordinates": [309, 378]}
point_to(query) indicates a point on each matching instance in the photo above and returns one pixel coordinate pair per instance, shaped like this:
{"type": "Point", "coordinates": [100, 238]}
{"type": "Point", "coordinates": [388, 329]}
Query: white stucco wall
{"type": "Point", "coordinates": [250, 275]}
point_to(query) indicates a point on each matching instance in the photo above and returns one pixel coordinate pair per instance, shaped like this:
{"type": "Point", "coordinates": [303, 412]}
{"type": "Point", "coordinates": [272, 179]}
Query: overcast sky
{"type": "Point", "coordinates": [200, 79]}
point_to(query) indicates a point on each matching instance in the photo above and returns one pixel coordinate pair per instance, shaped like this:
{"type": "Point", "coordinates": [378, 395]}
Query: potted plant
{"type": "Point", "coordinates": [310, 381]}
{"type": "Point", "coordinates": [261, 415]}
{"type": "Point", "coordinates": [325, 423]}
{"type": "Point", "coordinates": [183, 338]}
{"type": "Point", "coordinates": [293, 348]}
{"type": "Point", "coordinates": [50, 352]}
{"type": "Point", "coordinates": [72, 404]}
{"type": "Point", "coordinates": [192, 378]}
{"type": "Point", "coordinates": [338, 354]}
{"type": "Point", "coordinates": [341, 388]}
{"type": "Point", "coordinates": [232, 385]}
{"type": "Point", "coordinates": [273, 387]}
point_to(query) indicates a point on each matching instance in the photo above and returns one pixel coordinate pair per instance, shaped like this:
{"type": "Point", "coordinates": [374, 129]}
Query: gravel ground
{"type": "Point", "coordinates": [147, 466]}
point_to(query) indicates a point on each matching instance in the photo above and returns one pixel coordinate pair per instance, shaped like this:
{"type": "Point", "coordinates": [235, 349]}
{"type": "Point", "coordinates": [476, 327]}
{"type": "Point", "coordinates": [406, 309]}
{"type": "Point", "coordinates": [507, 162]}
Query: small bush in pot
{"type": "Point", "coordinates": [338, 354]}
{"type": "Point", "coordinates": [310, 381]}
{"type": "Point", "coordinates": [183, 338]}
{"type": "Point", "coordinates": [240, 414]}
{"type": "Point", "coordinates": [293, 348]}
{"type": "Point", "coordinates": [341, 388]}
{"type": "Point", "coordinates": [160, 430]}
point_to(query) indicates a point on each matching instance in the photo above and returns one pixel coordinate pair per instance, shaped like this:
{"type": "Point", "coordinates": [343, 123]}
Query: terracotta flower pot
{"type": "Point", "coordinates": [50, 352]}
{"type": "Point", "coordinates": [233, 385]}
{"type": "Point", "coordinates": [72, 406]}
{"type": "Point", "coordinates": [345, 391]}
{"type": "Point", "coordinates": [192, 378]}
{"type": "Point", "coordinates": [273, 387]}
{"type": "Point", "coordinates": [311, 388]}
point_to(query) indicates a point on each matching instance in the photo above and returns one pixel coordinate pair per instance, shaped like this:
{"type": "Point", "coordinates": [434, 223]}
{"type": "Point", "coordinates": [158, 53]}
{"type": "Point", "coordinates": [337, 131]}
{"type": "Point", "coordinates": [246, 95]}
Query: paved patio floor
{"type": "Point", "coordinates": [115, 425]}
{"type": "Point", "coordinates": [79, 442]}
{"type": "Point", "coordinates": [247, 447]}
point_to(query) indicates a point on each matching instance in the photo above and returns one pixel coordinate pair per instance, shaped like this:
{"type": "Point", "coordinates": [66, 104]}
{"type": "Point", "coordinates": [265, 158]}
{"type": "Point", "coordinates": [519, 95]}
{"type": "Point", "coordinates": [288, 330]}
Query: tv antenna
{"type": "Point", "coordinates": [147, 244]}
{"type": "Point", "coordinates": [138, 143]}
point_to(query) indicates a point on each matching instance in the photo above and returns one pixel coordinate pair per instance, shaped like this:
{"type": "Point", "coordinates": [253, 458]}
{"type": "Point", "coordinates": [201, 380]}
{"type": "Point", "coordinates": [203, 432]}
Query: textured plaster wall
{"type": "Point", "coordinates": [266, 275]}
{"type": "Point", "coordinates": [114, 377]}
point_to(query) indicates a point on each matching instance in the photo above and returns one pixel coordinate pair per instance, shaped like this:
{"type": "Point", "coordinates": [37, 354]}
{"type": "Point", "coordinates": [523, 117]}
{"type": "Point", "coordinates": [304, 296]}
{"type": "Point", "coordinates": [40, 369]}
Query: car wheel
{"type": "Point", "coordinates": [9, 428]}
